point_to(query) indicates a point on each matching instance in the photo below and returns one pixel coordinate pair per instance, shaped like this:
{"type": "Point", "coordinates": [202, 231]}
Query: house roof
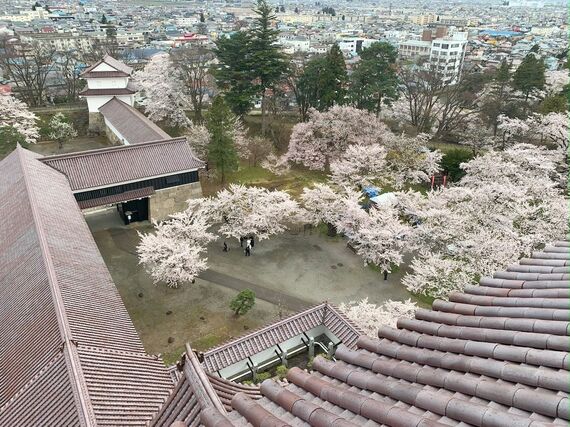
{"type": "Point", "coordinates": [125, 163]}
{"type": "Point", "coordinates": [131, 123]}
{"type": "Point", "coordinates": [107, 92]}
{"type": "Point", "coordinates": [70, 353]}
{"type": "Point", "coordinates": [254, 342]}
{"type": "Point", "coordinates": [112, 62]}
{"type": "Point", "coordinates": [125, 196]}
{"type": "Point", "coordinates": [495, 354]}
{"type": "Point", "coordinates": [104, 74]}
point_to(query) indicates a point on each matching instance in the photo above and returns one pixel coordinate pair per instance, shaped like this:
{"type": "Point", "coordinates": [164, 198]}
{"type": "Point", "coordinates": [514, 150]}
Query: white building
{"type": "Point", "coordinates": [106, 79]}
{"type": "Point", "coordinates": [447, 55]}
{"type": "Point", "coordinates": [354, 45]}
{"type": "Point", "coordinates": [413, 49]}
{"type": "Point", "coordinates": [295, 44]}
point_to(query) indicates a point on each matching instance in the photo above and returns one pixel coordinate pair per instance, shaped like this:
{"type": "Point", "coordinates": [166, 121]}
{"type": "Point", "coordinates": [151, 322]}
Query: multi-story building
{"type": "Point", "coordinates": [447, 55]}
{"type": "Point", "coordinates": [414, 49]}
{"type": "Point", "coordinates": [429, 18]}
{"type": "Point", "coordinates": [58, 41]}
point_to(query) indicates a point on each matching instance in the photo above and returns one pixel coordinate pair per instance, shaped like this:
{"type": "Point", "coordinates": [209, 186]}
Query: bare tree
{"type": "Point", "coordinates": [28, 65]}
{"type": "Point", "coordinates": [69, 67]}
{"type": "Point", "coordinates": [436, 105]}
{"type": "Point", "coordinates": [194, 63]}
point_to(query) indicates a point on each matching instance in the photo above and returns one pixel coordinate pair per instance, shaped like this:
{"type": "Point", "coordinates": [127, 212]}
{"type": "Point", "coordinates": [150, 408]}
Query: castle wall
{"type": "Point", "coordinates": [171, 200]}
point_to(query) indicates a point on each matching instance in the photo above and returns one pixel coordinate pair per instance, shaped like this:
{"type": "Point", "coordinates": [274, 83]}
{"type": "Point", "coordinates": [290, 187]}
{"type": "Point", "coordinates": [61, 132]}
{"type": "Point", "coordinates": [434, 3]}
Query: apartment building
{"type": "Point", "coordinates": [447, 55]}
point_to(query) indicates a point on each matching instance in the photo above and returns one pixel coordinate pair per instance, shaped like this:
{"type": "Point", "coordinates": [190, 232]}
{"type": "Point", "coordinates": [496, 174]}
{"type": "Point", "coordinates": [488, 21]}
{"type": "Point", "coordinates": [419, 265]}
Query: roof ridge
{"type": "Point", "coordinates": [136, 113]}
{"type": "Point", "coordinates": [203, 389]}
{"type": "Point", "coordinates": [111, 148]}
{"type": "Point", "coordinates": [32, 380]}
{"type": "Point", "coordinates": [74, 365]}
{"type": "Point", "coordinates": [262, 328]}
{"type": "Point", "coordinates": [123, 352]}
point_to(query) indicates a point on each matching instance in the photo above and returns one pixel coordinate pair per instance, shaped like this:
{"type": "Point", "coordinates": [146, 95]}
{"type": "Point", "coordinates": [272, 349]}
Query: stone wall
{"type": "Point", "coordinates": [96, 124]}
{"type": "Point", "coordinates": [171, 200]}
{"type": "Point", "coordinates": [112, 137]}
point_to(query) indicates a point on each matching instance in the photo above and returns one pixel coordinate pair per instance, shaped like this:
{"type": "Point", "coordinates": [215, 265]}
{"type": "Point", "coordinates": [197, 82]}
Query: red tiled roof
{"type": "Point", "coordinates": [496, 354]}
{"type": "Point", "coordinates": [114, 165]}
{"type": "Point", "coordinates": [64, 332]}
{"type": "Point", "coordinates": [116, 198]}
{"type": "Point", "coordinates": [131, 123]}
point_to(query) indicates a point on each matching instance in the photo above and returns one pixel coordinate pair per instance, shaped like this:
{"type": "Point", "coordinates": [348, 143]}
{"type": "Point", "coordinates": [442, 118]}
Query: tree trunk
{"type": "Point", "coordinates": [331, 230]}
{"type": "Point", "coordinates": [263, 114]}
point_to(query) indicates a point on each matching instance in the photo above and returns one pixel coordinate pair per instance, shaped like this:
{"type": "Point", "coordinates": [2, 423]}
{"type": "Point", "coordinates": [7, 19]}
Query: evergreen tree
{"type": "Point", "coordinates": [323, 82]}
{"type": "Point", "coordinates": [221, 150]}
{"type": "Point", "coordinates": [243, 302]}
{"type": "Point", "coordinates": [103, 19]}
{"type": "Point", "coordinates": [529, 76]}
{"type": "Point", "coordinates": [374, 81]}
{"type": "Point", "coordinates": [202, 17]}
{"type": "Point", "coordinates": [234, 73]}
{"type": "Point", "coordinates": [268, 62]}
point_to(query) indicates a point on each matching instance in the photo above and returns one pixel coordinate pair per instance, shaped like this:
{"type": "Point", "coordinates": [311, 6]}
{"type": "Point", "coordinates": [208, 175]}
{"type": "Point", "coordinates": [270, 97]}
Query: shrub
{"type": "Point", "coordinates": [281, 371]}
{"type": "Point", "coordinates": [452, 160]}
{"type": "Point", "coordinates": [243, 302]}
{"type": "Point", "coordinates": [262, 377]}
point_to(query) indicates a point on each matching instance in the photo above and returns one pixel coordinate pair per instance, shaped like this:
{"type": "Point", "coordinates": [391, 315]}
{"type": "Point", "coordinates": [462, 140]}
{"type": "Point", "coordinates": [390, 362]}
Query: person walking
{"type": "Point", "coordinates": [248, 248]}
{"type": "Point", "coordinates": [241, 242]}
{"type": "Point", "coordinates": [225, 247]}
{"type": "Point", "coordinates": [252, 242]}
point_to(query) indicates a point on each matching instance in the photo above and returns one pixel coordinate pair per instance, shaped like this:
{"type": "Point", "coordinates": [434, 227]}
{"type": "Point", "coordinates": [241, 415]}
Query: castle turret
{"type": "Point", "coordinates": [106, 79]}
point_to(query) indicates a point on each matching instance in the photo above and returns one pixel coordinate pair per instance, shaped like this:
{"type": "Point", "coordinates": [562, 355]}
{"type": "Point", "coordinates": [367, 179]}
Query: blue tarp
{"type": "Point", "coordinates": [371, 191]}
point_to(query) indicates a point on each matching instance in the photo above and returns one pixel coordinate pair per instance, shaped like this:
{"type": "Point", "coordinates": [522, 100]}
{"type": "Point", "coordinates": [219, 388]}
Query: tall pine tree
{"type": "Point", "coordinates": [322, 83]}
{"type": "Point", "coordinates": [235, 74]}
{"type": "Point", "coordinates": [530, 75]}
{"type": "Point", "coordinates": [221, 149]}
{"type": "Point", "coordinates": [268, 61]}
{"type": "Point", "coordinates": [374, 81]}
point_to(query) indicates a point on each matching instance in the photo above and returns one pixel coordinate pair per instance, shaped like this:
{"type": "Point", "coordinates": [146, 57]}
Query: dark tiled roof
{"type": "Point", "coordinates": [107, 92]}
{"type": "Point", "coordinates": [131, 123]}
{"type": "Point", "coordinates": [117, 198]}
{"type": "Point", "coordinates": [254, 342]}
{"type": "Point", "coordinates": [494, 355]}
{"type": "Point", "coordinates": [109, 60]}
{"type": "Point", "coordinates": [103, 74]}
{"type": "Point", "coordinates": [114, 165]}
{"type": "Point", "coordinates": [65, 335]}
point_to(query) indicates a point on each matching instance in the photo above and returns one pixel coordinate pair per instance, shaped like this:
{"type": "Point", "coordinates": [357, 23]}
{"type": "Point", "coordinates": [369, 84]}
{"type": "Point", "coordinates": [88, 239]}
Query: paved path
{"type": "Point", "coordinates": [275, 297]}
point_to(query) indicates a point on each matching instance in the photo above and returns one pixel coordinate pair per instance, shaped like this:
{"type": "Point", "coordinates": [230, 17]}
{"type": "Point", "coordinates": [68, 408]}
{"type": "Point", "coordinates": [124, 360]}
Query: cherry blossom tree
{"type": "Point", "coordinates": [255, 149]}
{"type": "Point", "coordinates": [15, 117]}
{"type": "Point", "coordinates": [507, 205]}
{"type": "Point", "coordinates": [370, 317]}
{"type": "Point", "coordinates": [436, 276]}
{"type": "Point", "coordinates": [176, 251]}
{"type": "Point", "coordinates": [378, 236]}
{"type": "Point", "coordinates": [161, 92]}
{"type": "Point", "coordinates": [243, 211]}
{"type": "Point", "coordinates": [327, 135]}
{"type": "Point", "coordinates": [553, 127]}
{"type": "Point", "coordinates": [198, 137]}
{"type": "Point", "coordinates": [476, 136]}
{"type": "Point", "coordinates": [511, 130]}
{"type": "Point", "coordinates": [556, 80]}
{"type": "Point", "coordinates": [60, 129]}
{"type": "Point", "coordinates": [278, 165]}
{"type": "Point", "coordinates": [380, 239]}
{"type": "Point", "coordinates": [341, 211]}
